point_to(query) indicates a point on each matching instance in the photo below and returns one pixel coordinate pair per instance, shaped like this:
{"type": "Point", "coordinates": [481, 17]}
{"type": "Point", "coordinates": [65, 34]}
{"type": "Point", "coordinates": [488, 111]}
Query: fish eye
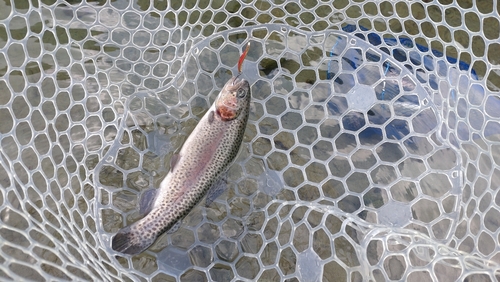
{"type": "Point", "coordinates": [241, 93]}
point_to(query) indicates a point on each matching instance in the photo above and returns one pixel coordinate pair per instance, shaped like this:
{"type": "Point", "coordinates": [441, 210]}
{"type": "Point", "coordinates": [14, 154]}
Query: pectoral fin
{"type": "Point", "coordinates": [211, 117]}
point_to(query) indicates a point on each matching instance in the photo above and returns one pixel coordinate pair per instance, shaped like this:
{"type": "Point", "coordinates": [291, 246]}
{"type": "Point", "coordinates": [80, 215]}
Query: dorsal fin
{"type": "Point", "coordinates": [217, 189]}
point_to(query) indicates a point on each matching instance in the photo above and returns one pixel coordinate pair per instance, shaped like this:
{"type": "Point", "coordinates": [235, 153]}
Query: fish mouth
{"type": "Point", "coordinates": [236, 81]}
{"type": "Point", "coordinates": [228, 103]}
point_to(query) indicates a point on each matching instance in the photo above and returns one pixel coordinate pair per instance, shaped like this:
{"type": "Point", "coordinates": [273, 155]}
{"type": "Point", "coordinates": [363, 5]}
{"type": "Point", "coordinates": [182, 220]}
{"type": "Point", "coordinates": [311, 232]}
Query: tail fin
{"type": "Point", "coordinates": [133, 240]}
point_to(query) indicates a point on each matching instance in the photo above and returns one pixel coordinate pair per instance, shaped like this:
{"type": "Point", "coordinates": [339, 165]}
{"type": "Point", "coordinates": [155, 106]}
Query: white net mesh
{"type": "Point", "coordinates": [372, 150]}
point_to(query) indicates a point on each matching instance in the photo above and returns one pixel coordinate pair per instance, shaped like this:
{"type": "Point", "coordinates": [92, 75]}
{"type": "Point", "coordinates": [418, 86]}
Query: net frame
{"type": "Point", "coordinates": [73, 76]}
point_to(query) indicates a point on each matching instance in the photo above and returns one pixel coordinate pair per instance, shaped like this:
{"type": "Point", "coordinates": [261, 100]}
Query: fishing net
{"type": "Point", "coordinates": [372, 150]}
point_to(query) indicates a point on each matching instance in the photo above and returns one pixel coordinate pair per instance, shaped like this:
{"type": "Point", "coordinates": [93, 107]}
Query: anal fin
{"type": "Point", "coordinates": [147, 201]}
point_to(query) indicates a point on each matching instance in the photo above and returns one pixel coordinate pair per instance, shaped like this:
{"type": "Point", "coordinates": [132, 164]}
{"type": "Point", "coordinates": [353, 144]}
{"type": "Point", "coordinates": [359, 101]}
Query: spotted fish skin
{"type": "Point", "coordinates": [207, 152]}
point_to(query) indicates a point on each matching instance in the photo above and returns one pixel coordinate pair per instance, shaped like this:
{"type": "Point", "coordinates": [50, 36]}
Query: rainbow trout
{"type": "Point", "coordinates": [207, 152]}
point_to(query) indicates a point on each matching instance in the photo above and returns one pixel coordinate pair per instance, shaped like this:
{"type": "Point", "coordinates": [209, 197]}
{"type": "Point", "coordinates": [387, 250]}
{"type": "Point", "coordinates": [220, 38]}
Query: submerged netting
{"type": "Point", "coordinates": [372, 150]}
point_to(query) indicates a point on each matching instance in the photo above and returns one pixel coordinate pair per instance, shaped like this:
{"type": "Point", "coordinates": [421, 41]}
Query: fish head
{"type": "Point", "coordinates": [233, 98]}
